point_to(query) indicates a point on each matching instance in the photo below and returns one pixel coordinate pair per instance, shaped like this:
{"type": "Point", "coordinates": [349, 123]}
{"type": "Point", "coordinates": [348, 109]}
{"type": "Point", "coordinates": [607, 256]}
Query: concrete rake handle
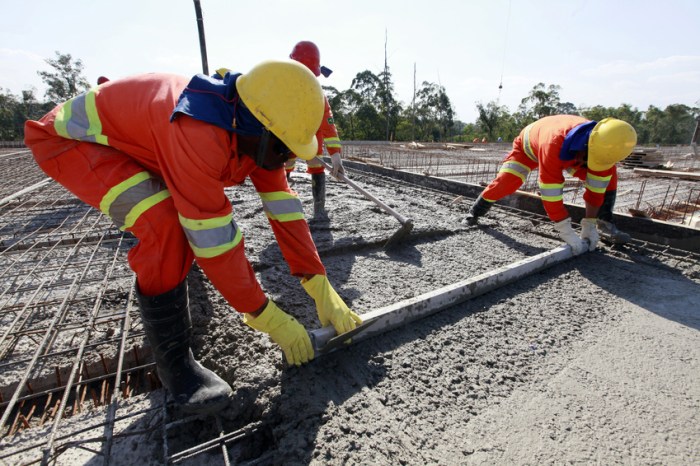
{"type": "Point", "coordinates": [341, 176]}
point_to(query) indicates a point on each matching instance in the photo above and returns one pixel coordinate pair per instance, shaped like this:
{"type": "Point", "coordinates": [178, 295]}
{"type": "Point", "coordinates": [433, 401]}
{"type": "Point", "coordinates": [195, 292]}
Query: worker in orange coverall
{"type": "Point", "coordinates": [585, 149]}
{"type": "Point", "coordinates": [307, 52]}
{"type": "Point", "coordinates": [154, 153]}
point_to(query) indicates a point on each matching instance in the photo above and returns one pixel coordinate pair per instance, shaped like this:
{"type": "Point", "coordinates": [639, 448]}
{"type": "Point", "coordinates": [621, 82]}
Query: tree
{"type": "Point", "coordinates": [8, 106]}
{"type": "Point", "coordinates": [541, 102]}
{"type": "Point", "coordinates": [66, 81]}
{"type": "Point", "coordinates": [435, 115]}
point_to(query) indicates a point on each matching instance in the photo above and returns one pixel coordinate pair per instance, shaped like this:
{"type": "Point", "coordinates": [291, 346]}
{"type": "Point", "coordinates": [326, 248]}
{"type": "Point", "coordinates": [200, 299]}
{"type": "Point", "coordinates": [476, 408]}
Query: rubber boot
{"type": "Point", "coordinates": [318, 189]}
{"type": "Point", "coordinates": [478, 209]}
{"type": "Point", "coordinates": [606, 228]}
{"type": "Point", "coordinates": [166, 321]}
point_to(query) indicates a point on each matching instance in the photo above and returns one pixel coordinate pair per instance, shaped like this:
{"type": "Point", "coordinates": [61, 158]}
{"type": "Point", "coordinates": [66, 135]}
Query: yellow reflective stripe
{"type": "Point", "coordinates": [61, 122]}
{"type": "Point", "coordinates": [514, 173]}
{"type": "Point", "coordinates": [597, 184]}
{"type": "Point", "coordinates": [205, 224]}
{"type": "Point", "coordinates": [526, 143]}
{"type": "Point", "coordinates": [282, 206]}
{"type": "Point", "coordinates": [113, 193]}
{"type": "Point", "coordinates": [516, 168]}
{"type": "Point", "coordinates": [95, 128]}
{"type": "Point", "coordinates": [332, 142]}
{"type": "Point", "coordinates": [208, 253]}
{"type": "Point", "coordinates": [286, 217]}
{"type": "Point", "coordinates": [143, 206]}
{"type": "Point", "coordinates": [552, 191]}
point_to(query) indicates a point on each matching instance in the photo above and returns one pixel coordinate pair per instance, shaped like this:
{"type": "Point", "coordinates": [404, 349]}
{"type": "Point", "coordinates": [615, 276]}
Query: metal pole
{"type": "Point", "coordinates": [202, 42]}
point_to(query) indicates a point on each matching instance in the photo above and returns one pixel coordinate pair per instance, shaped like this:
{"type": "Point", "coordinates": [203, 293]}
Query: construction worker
{"type": "Point", "coordinates": [307, 52]}
{"type": "Point", "coordinates": [154, 153]}
{"type": "Point", "coordinates": [587, 150]}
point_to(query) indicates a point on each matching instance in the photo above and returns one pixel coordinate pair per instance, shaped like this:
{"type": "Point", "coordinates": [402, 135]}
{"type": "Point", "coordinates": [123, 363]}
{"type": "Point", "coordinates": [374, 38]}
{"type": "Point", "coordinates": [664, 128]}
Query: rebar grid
{"type": "Point", "coordinates": [672, 200]}
{"type": "Point", "coordinates": [72, 338]}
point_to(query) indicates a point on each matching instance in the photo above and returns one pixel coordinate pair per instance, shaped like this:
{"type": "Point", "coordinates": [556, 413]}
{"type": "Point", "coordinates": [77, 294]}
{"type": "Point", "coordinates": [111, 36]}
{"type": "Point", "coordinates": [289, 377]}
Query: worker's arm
{"type": "Point", "coordinates": [328, 134]}
{"type": "Point", "coordinates": [194, 156]}
{"type": "Point", "coordinates": [286, 216]}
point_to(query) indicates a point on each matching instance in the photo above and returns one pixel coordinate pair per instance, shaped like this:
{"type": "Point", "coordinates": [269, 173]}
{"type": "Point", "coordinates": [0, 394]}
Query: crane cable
{"type": "Point", "coordinates": [505, 45]}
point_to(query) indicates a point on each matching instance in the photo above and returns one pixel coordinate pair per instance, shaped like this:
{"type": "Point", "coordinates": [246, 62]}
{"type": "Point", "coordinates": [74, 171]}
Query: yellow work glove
{"type": "Point", "coordinates": [330, 307]}
{"type": "Point", "coordinates": [284, 330]}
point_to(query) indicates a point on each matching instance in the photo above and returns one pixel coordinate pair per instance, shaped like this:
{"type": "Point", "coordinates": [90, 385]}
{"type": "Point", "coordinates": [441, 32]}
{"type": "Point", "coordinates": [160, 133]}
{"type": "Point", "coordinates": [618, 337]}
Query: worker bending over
{"type": "Point", "coordinates": [587, 150]}
{"type": "Point", "coordinates": [307, 52]}
{"type": "Point", "coordinates": [154, 153]}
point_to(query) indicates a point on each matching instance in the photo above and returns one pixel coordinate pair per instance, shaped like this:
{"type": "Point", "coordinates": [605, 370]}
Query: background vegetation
{"type": "Point", "coordinates": [369, 110]}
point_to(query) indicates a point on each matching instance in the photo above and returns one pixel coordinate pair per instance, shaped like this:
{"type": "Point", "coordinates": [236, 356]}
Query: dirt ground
{"type": "Point", "coordinates": [596, 360]}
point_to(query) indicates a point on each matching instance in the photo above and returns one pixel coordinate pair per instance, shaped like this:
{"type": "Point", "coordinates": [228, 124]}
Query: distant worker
{"type": "Point", "coordinates": [154, 153]}
{"type": "Point", "coordinates": [102, 80]}
{"type": "Point", "coordinates": [587, 150]}
{"type": "Point", "coordinates": [307, 52]}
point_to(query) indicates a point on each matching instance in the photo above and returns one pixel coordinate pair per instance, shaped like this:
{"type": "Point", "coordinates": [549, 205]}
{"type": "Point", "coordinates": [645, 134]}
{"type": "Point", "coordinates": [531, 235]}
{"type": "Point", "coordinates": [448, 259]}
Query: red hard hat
{"type": "Point", "coordinates": [102, 80]}
{"type": "Point", "coordinates": [307, 53]}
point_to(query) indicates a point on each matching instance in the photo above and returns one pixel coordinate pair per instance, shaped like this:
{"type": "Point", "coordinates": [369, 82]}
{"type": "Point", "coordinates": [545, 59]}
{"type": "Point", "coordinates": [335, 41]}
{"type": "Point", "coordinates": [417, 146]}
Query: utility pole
{"type": "Point", "coordinates": [386, 84]}
{"type": "Point", "coordinates": [202, 42]}
{"type": "Point", "coordinates": [413, 125]}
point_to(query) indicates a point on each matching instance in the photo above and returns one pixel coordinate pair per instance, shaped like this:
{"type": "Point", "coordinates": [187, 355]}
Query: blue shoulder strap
{"type": "Point", "coordinates": [576, 140]}
{"type": "Point", "coordinates": [216, 101]}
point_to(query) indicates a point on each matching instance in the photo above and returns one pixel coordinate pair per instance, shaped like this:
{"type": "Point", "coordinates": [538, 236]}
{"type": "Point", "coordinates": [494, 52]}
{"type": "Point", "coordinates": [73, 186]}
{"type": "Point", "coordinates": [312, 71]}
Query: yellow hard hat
{"type": "Point", "coordinates": [611, 140]}
{"type": "Point", "coordinates": [287, 99]}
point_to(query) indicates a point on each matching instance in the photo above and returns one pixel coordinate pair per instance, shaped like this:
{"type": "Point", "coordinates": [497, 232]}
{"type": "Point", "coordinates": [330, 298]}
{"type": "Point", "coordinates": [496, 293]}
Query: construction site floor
{"type": "Point", "coordinates": [596, 360]}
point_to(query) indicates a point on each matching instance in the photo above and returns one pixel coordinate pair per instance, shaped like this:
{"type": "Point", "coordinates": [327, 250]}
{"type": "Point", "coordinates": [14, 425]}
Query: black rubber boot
{"type": "Point", "coordinates": [478, 209]}
{"type": "Point", "coordinates": [166, 321]}
{"type": "Point", "coordinates": [606, 228]}
{"type": "Point", "coordinates": [318, 189]}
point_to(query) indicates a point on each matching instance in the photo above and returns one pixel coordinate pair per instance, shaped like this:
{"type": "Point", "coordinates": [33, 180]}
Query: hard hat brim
{"type": "Point", "coordinates": [304, 151]}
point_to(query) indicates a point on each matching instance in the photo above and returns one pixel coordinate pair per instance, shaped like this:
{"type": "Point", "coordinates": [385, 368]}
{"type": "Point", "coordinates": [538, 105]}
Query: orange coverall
{"type": "Point", "coordinates": [327, 134]}
{"type": "Point", "coordinates": [116, 149]}
{"type": "Point", "coordinates": [538, 147]}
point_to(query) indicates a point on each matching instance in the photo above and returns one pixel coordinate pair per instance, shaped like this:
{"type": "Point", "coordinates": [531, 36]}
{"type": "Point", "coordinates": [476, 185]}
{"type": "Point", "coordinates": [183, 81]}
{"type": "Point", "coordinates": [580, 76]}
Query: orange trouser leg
{"type": "Point", "coordinates": [162, 257]}
{"type": "Point", "coordinates": [512, 174]}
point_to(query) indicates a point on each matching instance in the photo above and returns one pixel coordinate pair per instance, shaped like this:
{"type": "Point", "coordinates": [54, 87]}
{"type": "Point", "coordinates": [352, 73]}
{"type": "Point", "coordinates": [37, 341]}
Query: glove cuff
{"type": "Point", "coordinates": [563, 225]}
{"type": "Point", "coordinates": [315, 286]}
{"type": "Point", "coordinates": [266, 322]}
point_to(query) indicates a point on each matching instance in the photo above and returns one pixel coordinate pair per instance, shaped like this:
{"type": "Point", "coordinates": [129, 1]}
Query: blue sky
{"type": "Point", "coordinates": [603, 52]}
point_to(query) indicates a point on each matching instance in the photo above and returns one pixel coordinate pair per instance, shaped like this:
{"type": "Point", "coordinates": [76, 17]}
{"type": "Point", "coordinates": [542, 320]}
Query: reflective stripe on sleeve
{"type": "Point", "coordinates": [211, 237]}
{"type": "Point", "coordinates": [333, 142]}
{"type": "Point", "coordinates": [515, 168]}
{"type": "Point", "coordinates": [125, 202]}
{"type": "Point", "coordinates": [552, 192]}
{"type": "Point", "coordinates": [282, 206]}
{"type": "Point", "coordinates": [78, 119]}
{"type": "Point", "coordinates": [526, 143]}
{"type": "Point", "coordinates": [597, 184]}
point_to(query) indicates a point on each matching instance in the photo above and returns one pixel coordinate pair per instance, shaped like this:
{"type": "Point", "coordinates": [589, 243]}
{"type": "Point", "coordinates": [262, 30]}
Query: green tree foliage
{"type": "Point", "coordinates": [434, 113]}
{"type": "Point", "coordinates": [66, 80]}
{"type": "Point", "coordinates": [369, 110]}
{"type": "Point", "coordinates": [15, 110]}
{"type": "Point", "coordinates": [542, 101]}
